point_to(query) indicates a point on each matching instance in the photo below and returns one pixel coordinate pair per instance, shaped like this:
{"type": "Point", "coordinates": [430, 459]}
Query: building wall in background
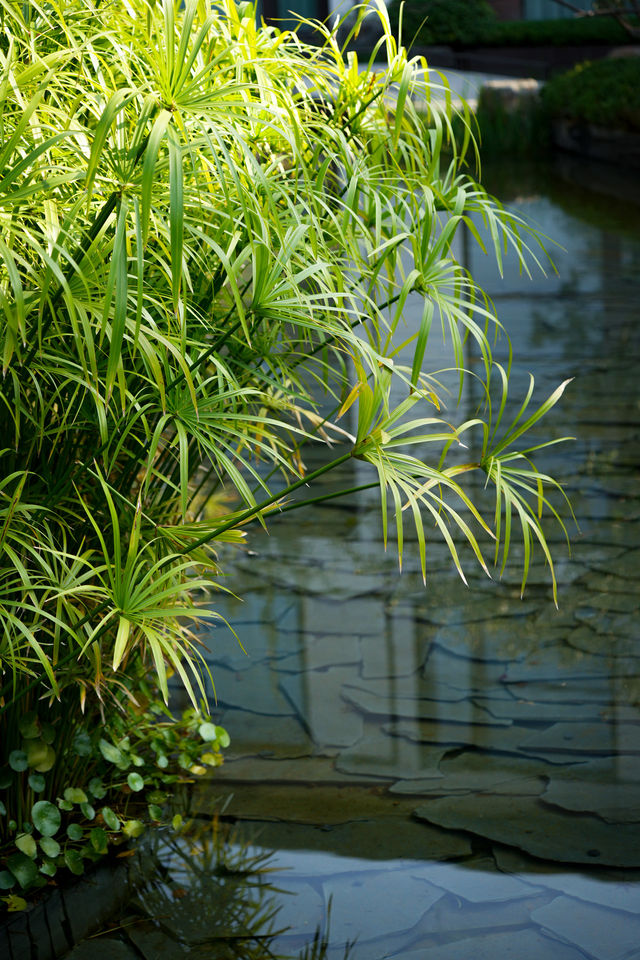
{"type": "Point", "coordinates": [548, 10]}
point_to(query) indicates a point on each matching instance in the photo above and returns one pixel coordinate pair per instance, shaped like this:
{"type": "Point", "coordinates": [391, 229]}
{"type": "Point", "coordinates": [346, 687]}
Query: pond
{"type": "Point", "coordinates": [447, 772]}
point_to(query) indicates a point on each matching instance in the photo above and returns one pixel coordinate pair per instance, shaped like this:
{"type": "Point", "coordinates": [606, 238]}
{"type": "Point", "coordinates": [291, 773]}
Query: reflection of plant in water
{"type": "Point", "coordinates": [219, 891]}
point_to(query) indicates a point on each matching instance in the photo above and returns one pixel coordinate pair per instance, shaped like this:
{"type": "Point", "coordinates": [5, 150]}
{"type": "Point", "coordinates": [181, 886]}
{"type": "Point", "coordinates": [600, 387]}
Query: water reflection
{"type": "Point", "coordinates": [446, 713]}
{"type": "Point", "coordinates": [235, 898]}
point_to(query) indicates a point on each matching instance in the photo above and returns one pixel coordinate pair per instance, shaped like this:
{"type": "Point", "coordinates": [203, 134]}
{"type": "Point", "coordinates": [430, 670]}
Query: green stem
{"type": "Point", "coordinates": [259, 507]}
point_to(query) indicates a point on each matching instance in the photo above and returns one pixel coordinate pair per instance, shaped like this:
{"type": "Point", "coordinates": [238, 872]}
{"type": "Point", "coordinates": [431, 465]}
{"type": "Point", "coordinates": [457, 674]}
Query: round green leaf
{"type": "Point", "coordinates": [15, 904]}
{"type": "Point", "coordinates": [7, 880]}
{"type": "Point", "coordinates": [46, 817]}
{"type": "Point", "coordinates": [40, 755]}
{"type": "Point", "coordinates": [137, 761]}
{"type": "Point", "coordinates": [110, 753]}
{"type": "Point", "coordinates": [29, 726]}
{"type": "Point", "coordinates": [23, 868]}
{"type": "Point", "coordinates": [82, 744]}
{"type": "Point", "coordinates": [222, 737]}
{"type": "Point", "coordinates": [75, 831]}
{"type": "Point", "coordinates": [48, 732]}
{"type": "Point", "coordinates": [50, 846]}
{"type": "Point", "coordinates": [49, 868]}
{"type": "Point", "coordinates": [135, 781]}
{"type": "Point", "coordinates": [75, 795]}
{"type": "Point", "coordinates": [87, 811]}
{"type": "Point", "coordinates": [155, 812]}
{"type": "Point", "coordinates": [110, 818]}
{"type": "Point", "coordinates": [208, 731]}
{"type": "Point", "coordinates": [97, 788]}
{"type": "Point", "coordinates": [36, 782]}
{"type": "Point", "coordinates": [158, 796]}
{"type": "Point", "coordinates": [133, 828]}
{"type": "Point", "coordinates": [176, 822]}
{"type": "Point", "coordinates": [73, 860]}
{"type": "Point", "coordinates": [18, 760]}
{"type": "Point", "coordinates": [64, 804]}
{"type": "Point", "coordinates": [99, 839]}
{"type": "Point", "coordinates": [162, 761]}
{"type": "Point", "coordinates": [26, 844]}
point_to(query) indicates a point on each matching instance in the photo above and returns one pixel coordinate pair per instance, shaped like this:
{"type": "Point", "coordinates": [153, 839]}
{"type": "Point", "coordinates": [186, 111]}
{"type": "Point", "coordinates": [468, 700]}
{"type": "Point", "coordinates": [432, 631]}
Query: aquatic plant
{"type": "Point", "coordinates": [207, 227]}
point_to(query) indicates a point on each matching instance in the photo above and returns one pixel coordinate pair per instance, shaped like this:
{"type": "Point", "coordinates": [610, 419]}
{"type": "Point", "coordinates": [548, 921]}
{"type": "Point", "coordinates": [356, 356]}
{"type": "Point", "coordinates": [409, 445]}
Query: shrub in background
{"type": "Point", "coordinates": [452, 22]}
{"type": "Point", "coordinates": [605, 93]}
{"type": "Point", "coordinates": [461, 24]}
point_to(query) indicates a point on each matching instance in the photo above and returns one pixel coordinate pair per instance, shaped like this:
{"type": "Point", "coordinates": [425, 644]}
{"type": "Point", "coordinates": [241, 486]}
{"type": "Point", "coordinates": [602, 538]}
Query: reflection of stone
{"type": "Point", "coordinates": [474, 772]}
{"type": "Point", "coordinates": [540, 712]}
{"type": "Point", "coordinates": [381, 690]}
{"type": "Point", "coordinates": [318, 652]}
{"type": "Point", "coordinates": [462, 712]}
{"type": "Point", "coordinates": [255, 690]}
{"type": "Point", "coordinates": [478, 881]}
{"type": "Point", "coordinates": [390, 757]}
{"type": "Point", "coordinates": [498, 740]}
{"type": "Point", "coordinates": [368, 906]}
{"type": "Point", "coordinates": [315, 695]}
{"type": "Point", "coordinates": [602, 933]}
{"type": "Point", "coordinates": [264, 736]}
{"type": "Point", "coordinates": [300, 908]}
{"type": "Point", "coordinates": [609, 788]}
{"type": "Point", "coordinates": [619, 889]}
{"type": "Point", "coordinates": [603, 738]}
{"type": "Point", "coordinates": [520, 944]}
{"type": "Point", "coordinates": [542, 831]}
{"type": "Point", "coordinates": [565, 662]}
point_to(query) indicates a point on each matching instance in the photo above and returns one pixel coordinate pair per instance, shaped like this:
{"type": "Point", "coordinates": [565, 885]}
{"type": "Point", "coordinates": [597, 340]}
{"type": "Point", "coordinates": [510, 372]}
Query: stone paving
{"type": "Point", "coordinates": [457, 771]}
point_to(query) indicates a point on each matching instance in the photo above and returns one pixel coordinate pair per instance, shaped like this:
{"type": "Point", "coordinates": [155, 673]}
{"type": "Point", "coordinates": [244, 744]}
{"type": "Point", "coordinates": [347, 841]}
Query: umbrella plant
{"type": "Point", "coordinates": [209, 231]}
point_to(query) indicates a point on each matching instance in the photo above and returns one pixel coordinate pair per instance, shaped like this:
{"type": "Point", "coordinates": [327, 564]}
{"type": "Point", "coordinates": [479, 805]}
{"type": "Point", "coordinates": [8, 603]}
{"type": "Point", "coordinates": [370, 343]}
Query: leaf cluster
{"type": "Point", "coordinates": [66, 800]}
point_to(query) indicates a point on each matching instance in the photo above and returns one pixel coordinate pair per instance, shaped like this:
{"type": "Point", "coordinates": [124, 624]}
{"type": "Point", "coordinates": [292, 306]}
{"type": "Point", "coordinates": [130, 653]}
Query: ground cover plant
{"type": "Point", "coordinates": [205, 227]}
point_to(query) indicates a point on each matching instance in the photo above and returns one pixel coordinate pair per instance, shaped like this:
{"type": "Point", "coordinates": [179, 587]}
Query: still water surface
{"type": "Point", "coordinates": [455, 771]}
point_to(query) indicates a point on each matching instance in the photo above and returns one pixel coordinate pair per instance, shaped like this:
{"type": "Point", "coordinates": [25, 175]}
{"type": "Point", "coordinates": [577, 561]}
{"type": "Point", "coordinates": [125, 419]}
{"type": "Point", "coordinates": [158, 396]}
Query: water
{"type": "Point", "coordinates": [454, 770]}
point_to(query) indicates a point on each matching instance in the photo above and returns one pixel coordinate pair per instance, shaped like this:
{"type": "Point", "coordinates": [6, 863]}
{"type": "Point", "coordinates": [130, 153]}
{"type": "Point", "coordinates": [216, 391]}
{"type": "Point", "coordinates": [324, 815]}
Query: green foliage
{"type": "Point", "coordinates": [198, 249]}
{"type": "Point", "coordinates": [131, 769]}
{"type": "Point", "coordinates": [605, 93]}
{"type": "Point", "coordinates": [453, 22]}
{"type": "Point", "coordinates": [569, 32]}
{"type": "Point", "coordinates": [461, 24]}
